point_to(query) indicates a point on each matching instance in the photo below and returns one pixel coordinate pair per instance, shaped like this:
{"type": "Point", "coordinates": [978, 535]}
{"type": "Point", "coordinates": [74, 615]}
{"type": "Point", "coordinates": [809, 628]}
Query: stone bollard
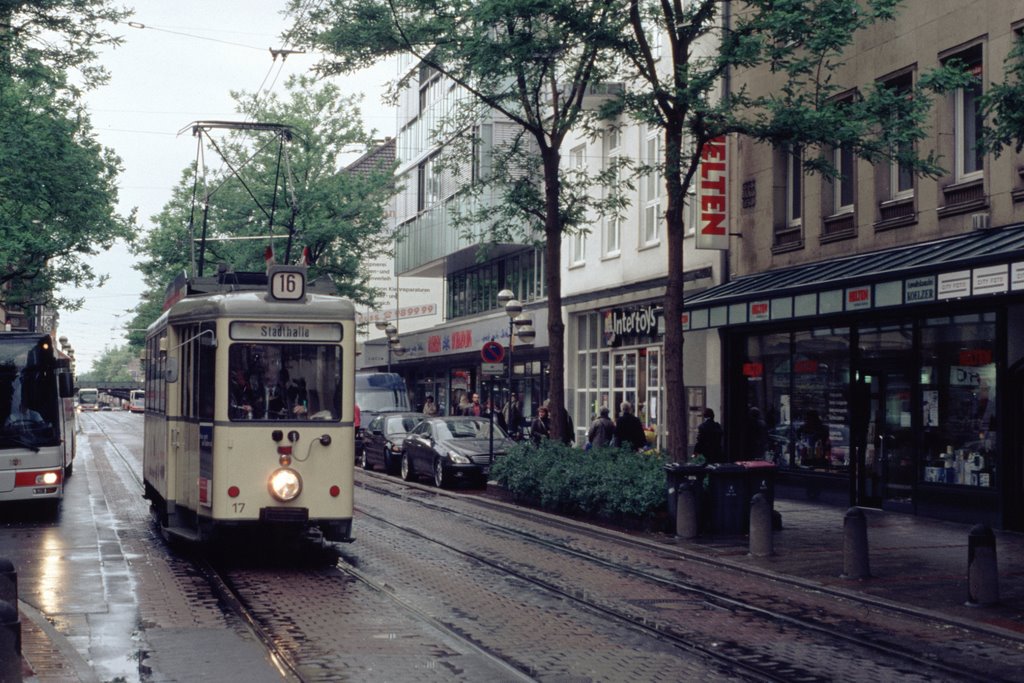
{"type": "Point", "coordinates": [761, 526]}
{"type": "Point", "coordinates": [855, 545]}
{"type": "Point", "coordinates": [686, 510]}
{"type": "Point", "coordinates": [982, 568]}
{"type": "Point", "coordinates": [10, 643]}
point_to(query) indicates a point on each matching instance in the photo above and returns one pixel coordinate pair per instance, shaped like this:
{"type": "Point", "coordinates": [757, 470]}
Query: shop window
{"type": "Point", "coordinates": [958, 401]}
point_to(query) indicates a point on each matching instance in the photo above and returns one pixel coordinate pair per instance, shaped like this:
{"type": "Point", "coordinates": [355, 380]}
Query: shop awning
{"type": "Point", "coordinates": [970, 252]}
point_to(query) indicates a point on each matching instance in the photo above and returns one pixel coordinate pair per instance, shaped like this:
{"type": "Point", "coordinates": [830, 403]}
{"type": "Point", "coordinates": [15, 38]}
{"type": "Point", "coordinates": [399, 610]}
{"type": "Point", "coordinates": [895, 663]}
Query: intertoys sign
{"type": "Point", "coordinates": [630, 325]}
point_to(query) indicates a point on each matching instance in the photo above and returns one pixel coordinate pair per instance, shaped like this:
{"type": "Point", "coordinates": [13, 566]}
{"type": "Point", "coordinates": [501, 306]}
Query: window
{"type": "Point", "coordinates": [651, 189]}
{"type": "Point", "coordinates": [475, 290]}
{"type": "Point", "coordinates": [842, 187]}
{"type": "Point", "coordinates": [613, 223]}
{"type": "Point", "coordinates": [578, 161]}
{"type": "Point", "coordinates": [967, 114]}
{"type": "Point", "coordinates": [794, 188]}
{"type": "Point", "coordinates": [901, 175]}
{"type": "Point", "coordinates": [428, 185]}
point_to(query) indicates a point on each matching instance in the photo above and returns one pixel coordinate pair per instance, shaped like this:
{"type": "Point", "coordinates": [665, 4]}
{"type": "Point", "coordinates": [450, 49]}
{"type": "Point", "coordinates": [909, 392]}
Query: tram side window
{"type": "Point", "coordinates": [284, 382]}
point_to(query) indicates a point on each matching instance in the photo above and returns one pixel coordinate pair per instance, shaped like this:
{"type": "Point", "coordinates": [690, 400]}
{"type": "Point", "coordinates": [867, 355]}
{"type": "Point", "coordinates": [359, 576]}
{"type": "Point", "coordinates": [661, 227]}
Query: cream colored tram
{"type": "Point", "coordinates": [249, 408]}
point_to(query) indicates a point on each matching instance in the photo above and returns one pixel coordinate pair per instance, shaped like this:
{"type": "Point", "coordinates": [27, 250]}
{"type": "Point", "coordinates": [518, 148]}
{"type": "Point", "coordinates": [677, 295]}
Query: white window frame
{"type": "Point", "coordinates": [794, 188]}
{"type": "Point", "coordinates": [966, 132]}
{"type": "Point", "coordinates": [652, 190]}
{"type": "Point", "coordinates": [844, 180]}
{"type": "Point", "coordinates": [578, 246]}
{"type": "Point", "coordinates": [612, 237]}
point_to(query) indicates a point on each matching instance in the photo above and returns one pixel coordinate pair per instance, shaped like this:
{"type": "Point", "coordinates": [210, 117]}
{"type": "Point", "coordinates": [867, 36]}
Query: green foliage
{"type": "Point", "coordinates": [1003, 105]}
{"type": "Point", "coordinates": [608, 483]}
{"type": "Point", "coordinates": [112, 366]}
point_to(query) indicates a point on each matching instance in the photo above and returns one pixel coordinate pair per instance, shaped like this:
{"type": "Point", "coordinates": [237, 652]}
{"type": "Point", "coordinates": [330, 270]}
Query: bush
{"type": "Point", "coordinates": [609, 483]}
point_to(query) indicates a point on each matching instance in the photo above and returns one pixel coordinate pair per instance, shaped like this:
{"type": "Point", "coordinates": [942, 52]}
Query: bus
{"type": "Point", "coordinates": [250, 387]}
{"type": "Point", "coordinates": [137, 401]}
{"type": "Point", "coordinates": [88, 399]}
{"type": "Point", "coordinates": [37, 420]}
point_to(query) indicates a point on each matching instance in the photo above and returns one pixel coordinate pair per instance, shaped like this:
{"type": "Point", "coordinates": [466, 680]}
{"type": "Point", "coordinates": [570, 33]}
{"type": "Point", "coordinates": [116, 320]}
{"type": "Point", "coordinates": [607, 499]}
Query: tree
{"type": "Point", "coordinates": [57, 190]}
{"type": "Point", "coordinates": [801, 44]}
{"type": "Point", "coordinates": [58, 196]}
{"type": "Point", "coordinates": [298, 192]}
{"type": "Point", "coordinates": [112, 365]}
{"type": "Point", "coordinates": [1003, 104]}
{"type": "Point", "coordinates": [530, 62]}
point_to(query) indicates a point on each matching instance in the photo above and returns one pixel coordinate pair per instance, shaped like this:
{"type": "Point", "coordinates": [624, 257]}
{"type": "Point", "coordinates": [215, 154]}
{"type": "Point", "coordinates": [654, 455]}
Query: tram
{"type": "Point", "coordinates": [37, 419]}
{"type": "Point", "coordinates": [249, 408]}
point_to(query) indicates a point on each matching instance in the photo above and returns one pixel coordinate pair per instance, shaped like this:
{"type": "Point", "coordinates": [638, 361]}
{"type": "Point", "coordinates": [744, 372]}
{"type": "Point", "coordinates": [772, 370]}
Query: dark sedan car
{"type": "Point", "coordinates": [383, 437]}
{"type": "Point", "coordinates": [453, 448]}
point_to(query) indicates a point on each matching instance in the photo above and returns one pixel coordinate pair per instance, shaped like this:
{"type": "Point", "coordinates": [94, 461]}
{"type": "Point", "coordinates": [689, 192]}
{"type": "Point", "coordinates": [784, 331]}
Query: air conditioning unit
{"type": "Point", "coordinates": [979, 221]}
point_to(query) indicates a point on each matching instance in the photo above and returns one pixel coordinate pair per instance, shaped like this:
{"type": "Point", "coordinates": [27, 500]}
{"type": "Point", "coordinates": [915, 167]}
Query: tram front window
{"type": "Point", "coordinates": [284, 382]}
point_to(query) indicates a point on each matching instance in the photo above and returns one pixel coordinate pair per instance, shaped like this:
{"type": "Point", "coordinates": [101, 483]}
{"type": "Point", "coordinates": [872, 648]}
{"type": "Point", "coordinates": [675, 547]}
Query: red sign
{"type": "Point", "coordinates": [753, 369]}
{"type": "Point", "coordinates": [805, 366]}
{"type": "Point", "coordinates": [492, 352]}
{"type": "Point", "coordinates": [975, 357]}
{"type": "Point", "coordinates": [712, 231]}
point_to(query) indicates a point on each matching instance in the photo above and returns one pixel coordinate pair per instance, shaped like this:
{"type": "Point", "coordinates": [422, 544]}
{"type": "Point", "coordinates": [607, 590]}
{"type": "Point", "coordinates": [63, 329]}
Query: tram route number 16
{"type": "Point", "coordinates": [288, 285]}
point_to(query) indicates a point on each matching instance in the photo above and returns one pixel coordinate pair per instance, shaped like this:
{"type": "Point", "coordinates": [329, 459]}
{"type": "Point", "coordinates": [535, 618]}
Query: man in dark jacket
{"type": "Point", "coordinates": [709, 438]}
{"type": "Point", "coordinates": [629, 432]}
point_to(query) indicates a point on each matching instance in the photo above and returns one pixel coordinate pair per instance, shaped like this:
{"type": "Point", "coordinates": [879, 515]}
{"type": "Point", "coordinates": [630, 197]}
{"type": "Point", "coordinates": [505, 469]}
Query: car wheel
{"type": "Point", "coordinates": [407, 473]}
{"type": "Point", "coordinates": [440, 480]}
{"type": "Point", "coordinates": [364, 462]}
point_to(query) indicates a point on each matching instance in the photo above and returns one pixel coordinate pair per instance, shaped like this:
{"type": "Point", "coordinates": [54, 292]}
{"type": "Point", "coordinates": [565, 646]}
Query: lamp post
{"type": "Point", "coordinates": [518, 323]}
{"type": "Point", "coordinates": [393, 344]}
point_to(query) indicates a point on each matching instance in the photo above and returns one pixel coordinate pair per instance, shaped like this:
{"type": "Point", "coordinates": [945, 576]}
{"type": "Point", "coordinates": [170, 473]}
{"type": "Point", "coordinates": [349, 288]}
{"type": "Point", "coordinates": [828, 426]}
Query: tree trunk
{"type": "Point", "coordinates": [676, 400]}
{"type": "Point", "coordinates": [553, 279]}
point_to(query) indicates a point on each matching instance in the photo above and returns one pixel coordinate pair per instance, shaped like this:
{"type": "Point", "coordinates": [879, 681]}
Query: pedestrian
{"type": "Point", "coordinates": [602, 430]}
{"type": "Point", "coordinates": [540, 428]}
{"type": "Point", "coordinates": [570, 431]}
{"type": "Point", "coordinates": [709, 438]}
{"type": "Point", "coordinates": [474, 409]}
{"type": "Point", "coordinates": [755, 435]}
{"type": "Point", "coordinates": [429, 407]}
{"type": "Point", "coordinates": [629, 432]}
{"type": "Point", "coordinates": [512, 412]}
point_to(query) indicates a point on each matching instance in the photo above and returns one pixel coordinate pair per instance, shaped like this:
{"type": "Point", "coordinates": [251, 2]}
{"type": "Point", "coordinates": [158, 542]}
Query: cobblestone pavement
{"type": "Point", "coordinates": [135, 612]}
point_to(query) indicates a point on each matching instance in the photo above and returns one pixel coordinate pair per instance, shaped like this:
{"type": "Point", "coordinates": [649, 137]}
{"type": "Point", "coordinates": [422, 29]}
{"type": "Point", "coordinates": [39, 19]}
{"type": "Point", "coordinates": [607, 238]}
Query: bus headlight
{"type": "Point", "coordinates": [48, 478]}
{"type": "Point", "coordinates": [285, 484]}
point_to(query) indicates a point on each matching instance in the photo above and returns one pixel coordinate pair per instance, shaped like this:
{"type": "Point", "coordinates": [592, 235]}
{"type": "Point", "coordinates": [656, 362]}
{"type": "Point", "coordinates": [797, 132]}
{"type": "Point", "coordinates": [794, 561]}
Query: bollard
{"type": "Point", "coordinates": [8, 581]}
{"type": "Point", "coordinates": [10, 643]}
{"type": "Point", "coordinates": [855, 545]}
{"type": "Point", "coordinates": [686, 510]}
{"type": "Point", "coordinates": [761, 526]}
{"type": "Point", "coordinates": [982, 568]}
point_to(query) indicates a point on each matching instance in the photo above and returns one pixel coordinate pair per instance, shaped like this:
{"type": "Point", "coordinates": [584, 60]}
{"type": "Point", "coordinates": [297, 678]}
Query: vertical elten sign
{"type": "Point", "coordinates": [712, 230]}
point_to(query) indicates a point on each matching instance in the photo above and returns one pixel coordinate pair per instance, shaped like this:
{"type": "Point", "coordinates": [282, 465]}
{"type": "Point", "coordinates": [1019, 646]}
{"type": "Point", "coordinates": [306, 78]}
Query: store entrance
{"type": "Point", "coordinates": [883, 435]}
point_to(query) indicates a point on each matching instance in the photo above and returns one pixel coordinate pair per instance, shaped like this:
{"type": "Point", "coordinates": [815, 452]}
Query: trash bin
{"type": "Point", "coordinates": [728, 501]}
{"type": "Point", "coordinates": [675, 474]}
{"type": "Point", "coordinates": [760, 478]}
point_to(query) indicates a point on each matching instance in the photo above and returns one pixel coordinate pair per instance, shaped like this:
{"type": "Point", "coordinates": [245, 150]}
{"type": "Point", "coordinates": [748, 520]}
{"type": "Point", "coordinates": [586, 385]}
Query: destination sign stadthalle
{"type": "Point", "coordinates": [311, 332]}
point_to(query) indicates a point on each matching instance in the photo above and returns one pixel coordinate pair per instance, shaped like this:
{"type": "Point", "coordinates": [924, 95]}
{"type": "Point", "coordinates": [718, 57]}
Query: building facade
{"type": "Point", "coordinates": [870, 335]}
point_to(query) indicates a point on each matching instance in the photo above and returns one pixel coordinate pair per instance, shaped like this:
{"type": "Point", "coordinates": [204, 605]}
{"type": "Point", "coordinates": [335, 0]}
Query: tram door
{"type": "Point", "coordinates": [883, 438]}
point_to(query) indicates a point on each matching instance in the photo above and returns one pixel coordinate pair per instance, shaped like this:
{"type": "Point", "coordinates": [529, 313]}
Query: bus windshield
{"type": "Point", "coordinates": [284, 382]}
{"type": "Point", "coordinates": [28, 395]}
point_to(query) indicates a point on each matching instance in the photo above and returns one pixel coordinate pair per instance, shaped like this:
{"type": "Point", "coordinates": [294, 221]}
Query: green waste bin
{"type": "Point", "coordinates": [728, 502]}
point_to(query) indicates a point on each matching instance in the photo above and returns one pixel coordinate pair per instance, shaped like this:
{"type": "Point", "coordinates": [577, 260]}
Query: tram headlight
{"type": "Point", "coordinates": [285, 484]}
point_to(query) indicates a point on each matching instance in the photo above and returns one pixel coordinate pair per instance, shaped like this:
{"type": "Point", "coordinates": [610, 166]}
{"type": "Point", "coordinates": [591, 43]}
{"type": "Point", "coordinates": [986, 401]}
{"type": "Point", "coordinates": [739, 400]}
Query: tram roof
{"type": "Point", "coordinates": [260, 305]}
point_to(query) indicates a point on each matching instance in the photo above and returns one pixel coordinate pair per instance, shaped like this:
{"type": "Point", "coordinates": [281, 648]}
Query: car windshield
{"type": "Point", "coordinates": [401, 425]}
{"type": "Point", "coordinates": [468, 429]}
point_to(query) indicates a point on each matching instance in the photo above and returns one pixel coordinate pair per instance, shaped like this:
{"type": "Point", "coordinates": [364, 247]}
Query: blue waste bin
{"type": "Point", "coordinates": [728, 499]}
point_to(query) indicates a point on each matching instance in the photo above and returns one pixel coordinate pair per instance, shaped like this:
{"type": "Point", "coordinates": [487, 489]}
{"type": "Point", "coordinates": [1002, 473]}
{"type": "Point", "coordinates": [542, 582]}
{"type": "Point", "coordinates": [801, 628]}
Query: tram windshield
{"type": "Point", "coordinates": [284, 382]}
{"type": "Point", "coordinates": [28, 396]}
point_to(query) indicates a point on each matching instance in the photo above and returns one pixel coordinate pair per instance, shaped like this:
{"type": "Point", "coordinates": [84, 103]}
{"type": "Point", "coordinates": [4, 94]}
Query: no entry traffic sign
{"type": "Point", "coordinates": [492, 352]}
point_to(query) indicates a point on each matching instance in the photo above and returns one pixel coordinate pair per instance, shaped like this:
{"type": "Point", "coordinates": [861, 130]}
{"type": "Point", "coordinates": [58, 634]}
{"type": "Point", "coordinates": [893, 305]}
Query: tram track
{"type": "Point", "coordinates": [873, 634]}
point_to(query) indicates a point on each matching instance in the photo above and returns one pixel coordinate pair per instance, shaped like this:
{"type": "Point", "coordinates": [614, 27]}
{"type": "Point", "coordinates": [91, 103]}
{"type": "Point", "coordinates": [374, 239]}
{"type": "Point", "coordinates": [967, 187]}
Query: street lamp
{"type": "Point", "coordinates": [518, 323]}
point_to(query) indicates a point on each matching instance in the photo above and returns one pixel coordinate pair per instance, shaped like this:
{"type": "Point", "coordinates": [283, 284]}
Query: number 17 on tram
{"type": "Point", "coordinates": [249, 408]}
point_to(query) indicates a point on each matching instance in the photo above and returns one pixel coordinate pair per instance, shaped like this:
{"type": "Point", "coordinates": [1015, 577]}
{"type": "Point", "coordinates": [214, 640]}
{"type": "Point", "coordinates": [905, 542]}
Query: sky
{"type": "Point", "coordinates": [178, 63]}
